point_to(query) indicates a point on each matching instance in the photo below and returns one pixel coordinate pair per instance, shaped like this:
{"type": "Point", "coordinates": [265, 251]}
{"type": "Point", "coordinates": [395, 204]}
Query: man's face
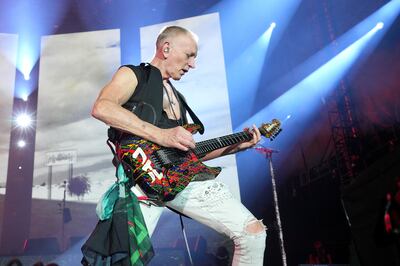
{"type": "Point", "coordinates": [181, 57]}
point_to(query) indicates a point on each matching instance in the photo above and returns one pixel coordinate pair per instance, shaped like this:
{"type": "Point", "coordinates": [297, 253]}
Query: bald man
{"type": "Point", "coordinates": [161, 121]}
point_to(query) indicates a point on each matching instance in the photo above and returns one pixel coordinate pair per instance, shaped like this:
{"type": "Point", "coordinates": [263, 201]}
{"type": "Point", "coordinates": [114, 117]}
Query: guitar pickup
{"type": "Point", "coordinates": [168, 157]}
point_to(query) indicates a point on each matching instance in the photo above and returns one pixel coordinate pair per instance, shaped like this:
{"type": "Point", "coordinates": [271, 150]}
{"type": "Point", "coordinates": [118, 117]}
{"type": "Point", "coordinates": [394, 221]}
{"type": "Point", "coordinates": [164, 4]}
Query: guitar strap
{"type": "Point", "coordinates": [194, 117]}
{"type": "Point", "coordinates": [152, 85]}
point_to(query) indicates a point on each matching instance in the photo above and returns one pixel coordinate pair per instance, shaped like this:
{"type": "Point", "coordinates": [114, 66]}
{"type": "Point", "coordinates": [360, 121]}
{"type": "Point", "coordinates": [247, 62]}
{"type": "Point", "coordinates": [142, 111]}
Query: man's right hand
{"type": "Point", "coordinates": [176, 137]}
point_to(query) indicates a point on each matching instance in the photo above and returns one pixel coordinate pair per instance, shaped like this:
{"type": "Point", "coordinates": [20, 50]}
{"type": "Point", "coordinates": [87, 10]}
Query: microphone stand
{"type": "Point", "coordinates": [268, 155]}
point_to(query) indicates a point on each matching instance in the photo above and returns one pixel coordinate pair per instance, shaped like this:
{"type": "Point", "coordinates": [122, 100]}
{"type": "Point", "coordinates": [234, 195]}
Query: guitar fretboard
{"type": "Point", "coordinates": [204, 147]}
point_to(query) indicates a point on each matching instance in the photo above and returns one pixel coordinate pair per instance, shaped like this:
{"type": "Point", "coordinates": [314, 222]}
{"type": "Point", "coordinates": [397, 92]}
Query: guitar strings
{"type": "Point", "coordinates": [208, 145]}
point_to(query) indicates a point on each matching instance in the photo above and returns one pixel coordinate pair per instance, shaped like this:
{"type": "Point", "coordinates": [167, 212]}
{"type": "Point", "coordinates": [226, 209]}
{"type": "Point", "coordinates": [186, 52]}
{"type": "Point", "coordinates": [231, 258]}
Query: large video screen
{"type": "Point", "coordinates": [70, 144]}
{"type": "Point", "coordinates": [205, 87]}
{"type": "Point", "coordinates": [8, 58]}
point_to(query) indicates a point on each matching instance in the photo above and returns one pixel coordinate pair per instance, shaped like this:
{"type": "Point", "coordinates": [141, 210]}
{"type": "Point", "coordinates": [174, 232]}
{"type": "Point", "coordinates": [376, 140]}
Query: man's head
{"type": "Point", "coordinates": [176, 48]}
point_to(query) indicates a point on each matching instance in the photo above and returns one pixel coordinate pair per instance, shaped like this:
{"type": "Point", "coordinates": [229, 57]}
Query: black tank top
{"type": "Point", "coordinates": [146, 102]}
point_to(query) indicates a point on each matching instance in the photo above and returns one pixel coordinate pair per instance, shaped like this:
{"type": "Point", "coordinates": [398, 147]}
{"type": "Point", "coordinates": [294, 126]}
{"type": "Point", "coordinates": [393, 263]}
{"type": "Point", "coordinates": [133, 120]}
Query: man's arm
{"type": "Point", "coordinates": [108, 108]}
{"type": "Point", "coordinates": [235, 147]}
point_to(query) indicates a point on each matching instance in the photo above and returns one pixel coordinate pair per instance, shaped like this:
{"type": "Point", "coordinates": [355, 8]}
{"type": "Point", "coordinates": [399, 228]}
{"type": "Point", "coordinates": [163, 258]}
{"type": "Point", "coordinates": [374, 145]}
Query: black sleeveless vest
{"type": "Point", "coordinates": [147, 101]}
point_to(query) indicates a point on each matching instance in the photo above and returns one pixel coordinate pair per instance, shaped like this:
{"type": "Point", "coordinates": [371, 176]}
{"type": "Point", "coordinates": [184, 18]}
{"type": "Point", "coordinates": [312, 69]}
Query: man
{"type": "Point", "coordinates": [206, 201]}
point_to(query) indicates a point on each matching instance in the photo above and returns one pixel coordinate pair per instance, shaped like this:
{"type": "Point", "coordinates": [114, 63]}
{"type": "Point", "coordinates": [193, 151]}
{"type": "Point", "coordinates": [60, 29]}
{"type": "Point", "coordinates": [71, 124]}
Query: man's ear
{"type": "Point", "coordinates": [165, 49]}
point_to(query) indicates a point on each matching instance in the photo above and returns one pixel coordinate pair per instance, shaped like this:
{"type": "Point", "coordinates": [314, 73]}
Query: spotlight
{"type": "Point", "coordinates": [26, 68]}
{"type": "Point", "coordinates": [27, 76]}
{"type": "Point", "coordinates": [23, 120]}
{"type": "Point", "coordinates": [24, 97]}
{"type": "Point", "coordinates": [266, 36]}
{"type": "Point", "coordinates": [21, 143]}
{"type": "Point", "coordinates": [379, 25]}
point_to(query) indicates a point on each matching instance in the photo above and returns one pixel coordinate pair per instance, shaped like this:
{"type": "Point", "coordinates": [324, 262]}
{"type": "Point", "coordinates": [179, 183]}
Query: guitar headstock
{"type": "Point", "coordinates": [271, 130]}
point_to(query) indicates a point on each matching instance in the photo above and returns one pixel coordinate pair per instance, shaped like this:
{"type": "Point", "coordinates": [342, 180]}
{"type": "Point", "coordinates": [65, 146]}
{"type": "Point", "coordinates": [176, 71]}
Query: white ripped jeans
{"type": "Point", "coordinates": [212, 204]}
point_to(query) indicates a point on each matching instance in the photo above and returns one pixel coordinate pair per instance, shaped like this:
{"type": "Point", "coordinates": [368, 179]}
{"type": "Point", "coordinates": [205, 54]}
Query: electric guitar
{"type": "Point", "coordinates": [164, 172]}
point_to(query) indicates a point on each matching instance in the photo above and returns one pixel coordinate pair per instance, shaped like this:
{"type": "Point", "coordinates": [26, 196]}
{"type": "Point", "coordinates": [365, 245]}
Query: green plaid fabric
{"type": "Point", "coordinates": [140, 248]}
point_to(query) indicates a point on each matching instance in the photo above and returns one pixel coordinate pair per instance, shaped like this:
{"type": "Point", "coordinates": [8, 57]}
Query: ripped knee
{"type": "Point", "coordinates": [250, 245]}
{"type": "Point", "coordinates": [255, 227]}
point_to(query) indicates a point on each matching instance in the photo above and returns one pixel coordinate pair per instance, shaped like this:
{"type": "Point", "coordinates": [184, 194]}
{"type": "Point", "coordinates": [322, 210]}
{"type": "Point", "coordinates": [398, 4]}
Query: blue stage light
{"type": "Point", "coordinates": [250, 63]}
{"type": "Point", "coordinates": [303, 99]}
{"type": "Point", "coordinates": [246, 46]}
{"type": "Point", "coordinates": [26, 67]}
{"type": "Point", "coordinates": [24, 97]}
{"type": "Point", "coordinates": [380, 25]}
{"type": "Point", "coordinates": [266, 37]}
{"type": "Point", "coordinates": [26, 60]}
{"type": "Point", "coordinates": [38, 20]}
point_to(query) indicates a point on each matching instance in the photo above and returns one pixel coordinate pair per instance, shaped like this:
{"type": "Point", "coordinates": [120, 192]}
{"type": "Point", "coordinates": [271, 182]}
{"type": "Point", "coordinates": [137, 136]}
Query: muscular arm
{"type": "Point", "coordinates": [108, 108]}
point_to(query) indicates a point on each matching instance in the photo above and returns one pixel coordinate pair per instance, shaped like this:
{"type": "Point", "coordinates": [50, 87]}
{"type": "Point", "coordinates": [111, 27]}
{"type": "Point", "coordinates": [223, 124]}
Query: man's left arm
{"type": "Point", "coordinates": [235, 147]}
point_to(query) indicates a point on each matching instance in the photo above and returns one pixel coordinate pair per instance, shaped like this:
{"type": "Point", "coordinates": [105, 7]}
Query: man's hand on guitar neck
{"type": "Point", "coordinates": [177, 137]}
{"type": "Point", "coordinates": [253, 142]}
{"type": "Point", "coordinates": [180, 138]}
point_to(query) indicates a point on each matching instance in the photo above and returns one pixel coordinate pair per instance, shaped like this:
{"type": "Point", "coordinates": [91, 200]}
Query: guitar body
{"type": "Point", "coordinates": [161, 172]}
{"type": "Point", "coordinates": [164, 172]}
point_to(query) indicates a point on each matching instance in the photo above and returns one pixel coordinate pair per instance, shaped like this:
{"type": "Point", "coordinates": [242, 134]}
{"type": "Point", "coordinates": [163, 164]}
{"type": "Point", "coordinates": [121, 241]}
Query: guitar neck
{"type": "Point", "coordinates": [204, 147]}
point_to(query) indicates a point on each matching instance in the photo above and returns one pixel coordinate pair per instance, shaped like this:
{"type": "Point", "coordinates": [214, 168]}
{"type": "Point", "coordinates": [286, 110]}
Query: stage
{"type": "Point", "coordinates": [326, 73]}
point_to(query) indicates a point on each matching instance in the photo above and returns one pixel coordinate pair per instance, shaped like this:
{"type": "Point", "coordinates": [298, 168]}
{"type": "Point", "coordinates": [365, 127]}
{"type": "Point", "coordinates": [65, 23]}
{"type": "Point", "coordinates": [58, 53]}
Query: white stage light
{"type": "Point", "coordinates": [23, 120]}
{"type": "Point", "coordinates": [21, 143]}
{"type": "Point", "coordinates": [26, 68]}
